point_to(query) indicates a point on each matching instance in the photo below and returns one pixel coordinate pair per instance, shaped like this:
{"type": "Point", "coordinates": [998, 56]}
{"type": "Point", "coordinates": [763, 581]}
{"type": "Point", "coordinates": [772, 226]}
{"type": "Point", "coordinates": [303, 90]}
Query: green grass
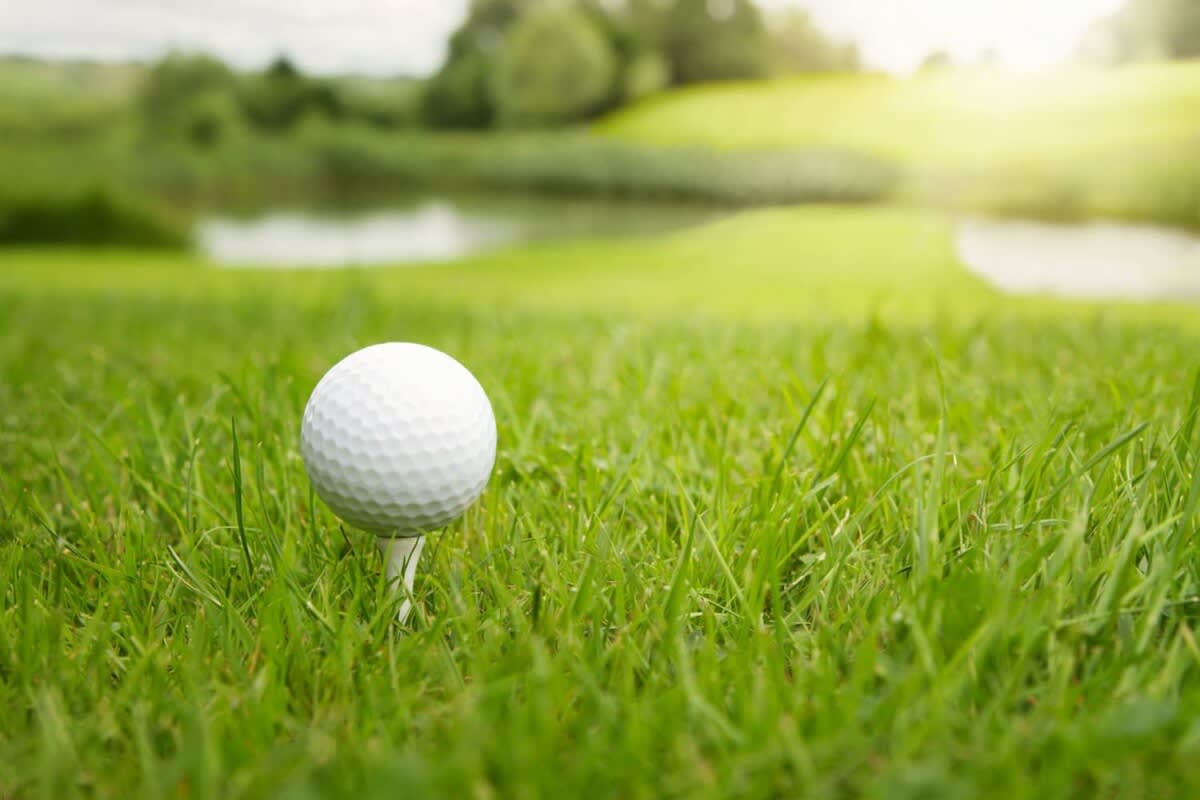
{"type": "Point", "coordinates": [1119, 143]}
{"type": "Point", "coordinates": [787, 506]}
{"type": "Point", "coordinates": [939, 119]}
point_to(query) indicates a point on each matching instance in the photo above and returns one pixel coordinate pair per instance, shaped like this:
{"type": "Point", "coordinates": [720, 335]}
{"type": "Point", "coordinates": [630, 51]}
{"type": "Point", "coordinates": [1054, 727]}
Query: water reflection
{"type": "Point", "coordinates": [431, 228]}
{"type": "Point", "coordinates": [1097, 260]}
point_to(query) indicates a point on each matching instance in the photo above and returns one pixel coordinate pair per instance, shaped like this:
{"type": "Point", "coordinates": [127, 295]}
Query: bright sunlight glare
{"type": "Point", "coordinates": [897, 35]}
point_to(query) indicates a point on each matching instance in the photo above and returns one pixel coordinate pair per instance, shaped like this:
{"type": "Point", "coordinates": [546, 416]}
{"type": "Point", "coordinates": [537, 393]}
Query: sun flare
{"type": "Point", "coordinates": [1017, 34]}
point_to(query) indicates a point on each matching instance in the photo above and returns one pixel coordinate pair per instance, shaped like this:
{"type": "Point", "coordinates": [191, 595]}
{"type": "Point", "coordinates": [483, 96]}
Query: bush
{"type": "Point", "coordinates": [798, 46]}
{"type": "Point", "coordinates": [95, 216]}
{"type": "Point", "coordinates": [459, 95]}
{"type": "Point", "coordinates": [645, 74]}
{"type": "Point", "coordinates": [580, 164]}
{"type": "Point", "coordinates": [182, 97]}
{"type": "Point", "coordinates": [556, 67]}
{"type": "Point", "coordinates": [712, 40]}
{"type": "Point", "coordinates": [210, 121]}
{"type": "Point", "coordinates": [281, 97]}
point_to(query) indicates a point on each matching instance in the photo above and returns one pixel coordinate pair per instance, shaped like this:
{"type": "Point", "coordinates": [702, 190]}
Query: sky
{"type": "Point", "coordinates": [409, 36]}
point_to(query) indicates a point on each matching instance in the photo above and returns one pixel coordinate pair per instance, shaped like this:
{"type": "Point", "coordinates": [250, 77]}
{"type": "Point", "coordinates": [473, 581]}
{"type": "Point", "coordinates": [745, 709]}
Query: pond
{"type": "Point", "coordinates": [1095, 260]}
{"type": "Point", "coordinates": [428, 228]}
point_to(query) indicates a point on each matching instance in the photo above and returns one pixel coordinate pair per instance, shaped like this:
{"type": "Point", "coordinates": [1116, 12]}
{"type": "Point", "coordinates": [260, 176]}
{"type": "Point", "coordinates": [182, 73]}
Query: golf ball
{"type": "Point", "coordinates": [398, 439]}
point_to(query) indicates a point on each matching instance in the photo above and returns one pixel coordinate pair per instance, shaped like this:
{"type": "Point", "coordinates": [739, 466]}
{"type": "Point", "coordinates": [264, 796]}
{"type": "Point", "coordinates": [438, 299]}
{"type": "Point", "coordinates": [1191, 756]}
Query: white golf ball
{"type": "Point", "coordinates": [398, 439]}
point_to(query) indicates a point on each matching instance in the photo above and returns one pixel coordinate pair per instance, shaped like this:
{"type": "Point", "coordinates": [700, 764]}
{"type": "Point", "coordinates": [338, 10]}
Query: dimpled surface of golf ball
{"type": "Point", "coordinates": [398, 439]}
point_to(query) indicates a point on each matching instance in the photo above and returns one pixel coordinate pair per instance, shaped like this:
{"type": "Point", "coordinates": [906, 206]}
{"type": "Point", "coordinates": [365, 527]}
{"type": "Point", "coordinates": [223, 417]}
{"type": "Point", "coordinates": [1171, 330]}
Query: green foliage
{"type": "Point", "coordinates": [1146, 30]}
{"type": "Point", "coordinates": [542, 62]}
{"type": "Point", "coordinates": [63, 101]}
{"type": "Point", "coordinates": [708, 40]}
{"type": "Point", "coordinates": [460, 95]}
{"type": "Point", "coordinates": [555, 67]}
{"type": "Point", "coordinates": [891, 536]}
{"type": "Point", "coordinates": [799, 46]}
{"type": "Point", "coordinates": [388, 104]}
{"type": "Point", "coordinates": [282, 97]}
{"type": "Point", "coordinates": [330, 160]}
{"type": "Point", "coordinates": [94, 216]}
{"type": "Point", "coordinates": [197, 101]}
{"type": "Point", "coordinates": [646, 74]}
{"type": "Point", "coordinates": [183, 97]}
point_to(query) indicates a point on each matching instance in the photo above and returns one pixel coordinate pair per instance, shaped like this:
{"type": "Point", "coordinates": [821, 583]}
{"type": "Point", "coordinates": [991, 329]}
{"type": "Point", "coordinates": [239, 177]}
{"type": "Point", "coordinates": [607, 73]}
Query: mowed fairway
{"type": "Point", "coordinates": [785, 506]}
{"type": "Point", "coordinates": [942, 118]}
{"type": "Point", "coordinates": [1117, 143]}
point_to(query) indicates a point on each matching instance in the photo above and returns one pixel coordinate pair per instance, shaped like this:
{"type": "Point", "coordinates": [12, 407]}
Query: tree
{"type": "Point", "coordinates": [556, 66]}
{"type": "Point", "coordinates": [937, 61]}
{"type": "Point", "coordinates": [459, 95]}
{"type": "Point", "coordinates": [1143, 30]}
{"type": "Point", "coordinates": [704, 40]}
{"type": "Point", "coordinates": [282, 96]}
{"type": "Point", "coordinates": [1180, 26]}
{"type": "Point", "coordinates": [189, 97]}
{"type": "Point", "coordinates": [798, 46]}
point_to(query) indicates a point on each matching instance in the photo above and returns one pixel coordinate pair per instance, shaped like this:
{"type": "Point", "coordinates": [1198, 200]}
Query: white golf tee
{"type": "Point", "coordinates": [401, 555]}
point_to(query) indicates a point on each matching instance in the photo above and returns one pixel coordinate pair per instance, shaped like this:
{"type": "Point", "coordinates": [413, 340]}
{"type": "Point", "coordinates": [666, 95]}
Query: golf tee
{"type": "Point", "coordinates": [400, 554]}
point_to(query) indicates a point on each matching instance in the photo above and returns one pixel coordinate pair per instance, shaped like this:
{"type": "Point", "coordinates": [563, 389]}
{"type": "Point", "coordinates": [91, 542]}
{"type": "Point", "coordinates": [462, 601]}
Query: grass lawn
{"type": "Point", "coordinates": [944, 118]}
{"type": "Point", "coordinates": [786, 506]}
{"type": "Point", "coordinates": [1120, 143]}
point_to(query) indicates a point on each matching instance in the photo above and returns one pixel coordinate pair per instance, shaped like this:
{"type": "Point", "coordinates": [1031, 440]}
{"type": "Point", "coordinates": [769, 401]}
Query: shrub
{"type": "Point", "coordinates": [180, 95]}
{"type": "Point", "coordinates": [93, 216]}
{"type": "Point", "coordinates": [459, 95]}
{"type": "Point", "coordinates": [556, 66]}
{"type": "Point", "coordinates": [281, 97]}
{"type": "Point", "coordinates": [645, 74]}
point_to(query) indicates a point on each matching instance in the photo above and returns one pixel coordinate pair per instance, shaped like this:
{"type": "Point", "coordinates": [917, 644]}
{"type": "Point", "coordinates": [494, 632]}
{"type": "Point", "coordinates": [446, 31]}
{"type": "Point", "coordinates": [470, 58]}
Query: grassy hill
{"type": "Point", "coordinates": [1120, 143]}
{"type": "Point", "coordinates": [935, 120]}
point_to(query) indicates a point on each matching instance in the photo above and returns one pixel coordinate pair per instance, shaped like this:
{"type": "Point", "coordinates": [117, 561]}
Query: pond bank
{"type": "Point", "coordinates": [1095, 260]}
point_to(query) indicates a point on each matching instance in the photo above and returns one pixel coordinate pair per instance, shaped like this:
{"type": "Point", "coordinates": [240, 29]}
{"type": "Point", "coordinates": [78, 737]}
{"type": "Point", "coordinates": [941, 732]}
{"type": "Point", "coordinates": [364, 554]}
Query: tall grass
{"type": "Point", "coordinates": [886, 542]}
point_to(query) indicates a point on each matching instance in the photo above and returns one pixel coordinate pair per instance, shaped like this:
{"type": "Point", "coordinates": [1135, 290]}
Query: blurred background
{"type": "Point", "coordinates": [273, 132]}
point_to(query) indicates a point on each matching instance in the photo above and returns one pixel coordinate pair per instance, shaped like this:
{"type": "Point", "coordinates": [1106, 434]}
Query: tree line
{"type": "Point", "coordinates": [544, 63]}
{"type": "Point", "coordinates": [1145, 30]}
{"type": "Point", "coordinates": [512, 63]}
{"type": "Point", "coordinates": [539, 62]}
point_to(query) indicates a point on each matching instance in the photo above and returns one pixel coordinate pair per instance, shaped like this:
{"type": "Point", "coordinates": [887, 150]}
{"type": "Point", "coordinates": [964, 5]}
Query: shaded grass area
{"type": "Point", "coordinates": [875, 535]}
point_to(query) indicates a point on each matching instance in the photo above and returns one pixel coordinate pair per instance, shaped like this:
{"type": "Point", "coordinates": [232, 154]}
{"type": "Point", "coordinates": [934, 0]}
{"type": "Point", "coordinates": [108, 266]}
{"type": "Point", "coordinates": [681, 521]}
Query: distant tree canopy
{"type": "Point", "coordinates": [281, 97]}
{"type": "Point", "coordinates": [197, 100]}
{"type": "Point", "coordinates": [510, 63]}
{"type": "Point", "coordinates": [1146, 30]}
{"type": "Point", "coordinates": [706, 40]}
{"type": "Point", "coordinates": [459, 95]}
{"type": "Point", "coordinates": [798, 45]}
{"type": "Point", "coordinates": [632, 47]}
{"type": "Point", "coordinates": [189, 97]}
{"type": "Point", "coordinates": [556, 66]}
{"type": "Point", "coordinates": [937, 60]}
